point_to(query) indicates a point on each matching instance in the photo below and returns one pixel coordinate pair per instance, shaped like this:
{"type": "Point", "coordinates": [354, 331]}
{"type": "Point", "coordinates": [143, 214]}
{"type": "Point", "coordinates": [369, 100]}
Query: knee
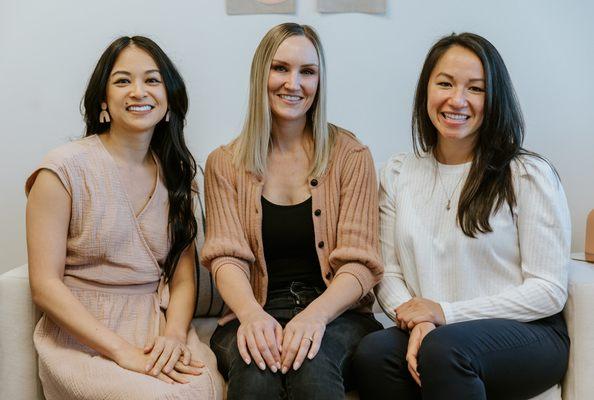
{"type": "Point", "coordinates": [368, 354]}
{"type": "Point", "coordinates": [441, 351]}
{"type": "Point", "coordinates": [249, 382]}
{"type": "Point", "coordinates": [380, 351]}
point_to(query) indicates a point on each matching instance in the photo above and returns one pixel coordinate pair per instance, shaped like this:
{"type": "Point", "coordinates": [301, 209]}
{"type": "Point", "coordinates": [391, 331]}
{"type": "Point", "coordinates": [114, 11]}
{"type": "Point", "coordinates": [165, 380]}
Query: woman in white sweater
{"type": "Point", "coordinates": [475, 235]}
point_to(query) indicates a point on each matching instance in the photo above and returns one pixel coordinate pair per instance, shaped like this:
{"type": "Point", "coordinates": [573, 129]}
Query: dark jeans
{"type": "Point", "coordinates": [491, 358]}
{"type": "Point", "coordinates": [324, 377]}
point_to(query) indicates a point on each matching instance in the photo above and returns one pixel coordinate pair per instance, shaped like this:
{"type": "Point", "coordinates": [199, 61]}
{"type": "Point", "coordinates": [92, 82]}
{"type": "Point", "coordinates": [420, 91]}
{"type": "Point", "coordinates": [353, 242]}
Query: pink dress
{"type": "Point", "coordinates": [113, 267]}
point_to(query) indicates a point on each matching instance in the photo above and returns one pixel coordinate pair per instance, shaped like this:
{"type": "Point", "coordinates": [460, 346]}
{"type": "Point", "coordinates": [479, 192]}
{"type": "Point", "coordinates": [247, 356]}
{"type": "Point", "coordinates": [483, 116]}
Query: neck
{"type": "Point", "coordinates": [453, 152]}
{"type": "Point", "coordinates": [128, 148]}
{"type": "Point", "coordinates": [288, 136]}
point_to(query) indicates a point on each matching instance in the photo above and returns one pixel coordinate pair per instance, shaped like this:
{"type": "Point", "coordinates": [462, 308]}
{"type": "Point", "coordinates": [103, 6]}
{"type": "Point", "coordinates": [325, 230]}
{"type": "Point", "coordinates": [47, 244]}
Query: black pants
{"type": "Point", "coordinates": [324, 377]}
{"type": "Point", "coordinates": [492, 358]}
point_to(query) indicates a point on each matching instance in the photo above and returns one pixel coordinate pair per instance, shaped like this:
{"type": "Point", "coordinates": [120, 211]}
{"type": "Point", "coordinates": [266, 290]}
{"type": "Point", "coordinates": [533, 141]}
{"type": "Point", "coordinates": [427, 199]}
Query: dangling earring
{"type": "Point", "coordinates": [104, 115]}
{"type": "Point", "coordinates": [167, 115]}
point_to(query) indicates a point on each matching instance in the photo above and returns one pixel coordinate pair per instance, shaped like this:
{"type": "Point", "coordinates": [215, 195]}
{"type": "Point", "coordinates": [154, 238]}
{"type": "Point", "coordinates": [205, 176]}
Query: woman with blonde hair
{"type": "Point", "coordinates": [291, 232]}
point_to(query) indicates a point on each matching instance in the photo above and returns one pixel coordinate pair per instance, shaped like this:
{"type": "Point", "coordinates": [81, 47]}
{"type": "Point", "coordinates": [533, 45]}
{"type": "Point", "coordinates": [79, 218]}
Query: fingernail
{"type": "Point", "coordinates": [310, 356]}
{"type": "Point", "coordinates": [296, 366]}
{"type": "Point", "coordinates": [147, 368]}
{"type": "Point", "coordinates": [273, 369]}
{"type": "Point", "coordinates": [278, 366]}
{"type": "Point", "coordinates": [284, 370]}
{"type": "Point", "coordinates": [247, 361]}
{"type": "Point", "coordinates": [262, 366]}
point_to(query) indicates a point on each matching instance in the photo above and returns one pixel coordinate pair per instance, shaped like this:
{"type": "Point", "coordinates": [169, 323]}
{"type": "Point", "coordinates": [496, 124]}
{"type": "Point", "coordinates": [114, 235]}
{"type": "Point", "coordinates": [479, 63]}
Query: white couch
{"type": "Point", "coordinates": [18, 316]}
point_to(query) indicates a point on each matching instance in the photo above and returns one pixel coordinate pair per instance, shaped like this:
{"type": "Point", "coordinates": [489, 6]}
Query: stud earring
{"type": "Point", "coordinates": [104, 115]}
{"type": "Point", "coordinates": [167, 116]}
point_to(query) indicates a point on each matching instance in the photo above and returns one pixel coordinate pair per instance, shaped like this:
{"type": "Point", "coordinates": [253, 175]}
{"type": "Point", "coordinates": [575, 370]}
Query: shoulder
{"type": "Point", "coordinates": [395, 166]}
{"type": "Point", "coordinates": [72, 153]}
{"type": "Point", "coordinates": [534, 169]}
{"type": "Point", "coordinates": [220, 156]}
{"type": "Point", "coordinates": [345, 141]}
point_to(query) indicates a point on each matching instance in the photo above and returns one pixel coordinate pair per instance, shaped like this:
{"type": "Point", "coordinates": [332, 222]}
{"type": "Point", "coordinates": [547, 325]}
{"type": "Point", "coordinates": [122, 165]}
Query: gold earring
{"type": "Point", "coordinates": [104, 115]}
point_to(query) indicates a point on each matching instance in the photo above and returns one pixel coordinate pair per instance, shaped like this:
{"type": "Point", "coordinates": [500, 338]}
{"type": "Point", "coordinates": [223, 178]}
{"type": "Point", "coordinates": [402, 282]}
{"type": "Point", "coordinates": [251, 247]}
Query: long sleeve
{"type": "Point", "coordinates": [544, 234]}
{"type": "Point", "coordinates": [225, 241]}
{"type": "Point", "coordinates": [392, 290]}
{"type": "Point", "coordinates": [357, 246]}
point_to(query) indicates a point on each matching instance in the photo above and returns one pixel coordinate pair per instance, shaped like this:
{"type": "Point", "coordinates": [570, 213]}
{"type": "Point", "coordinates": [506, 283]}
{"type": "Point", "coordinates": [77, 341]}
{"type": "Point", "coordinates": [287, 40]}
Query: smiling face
{"type": "Point", "coordinates": [456, 95]}
{"type": "Point", "coordinates": [136, 96]}
{"type": "Point", "coordinates": [293, 79]}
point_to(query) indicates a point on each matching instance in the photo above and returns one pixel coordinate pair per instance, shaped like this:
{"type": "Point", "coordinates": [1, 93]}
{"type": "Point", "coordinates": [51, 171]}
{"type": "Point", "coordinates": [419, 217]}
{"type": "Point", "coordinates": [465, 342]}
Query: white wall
{"type": "Point", "coordinates": [48, 49]}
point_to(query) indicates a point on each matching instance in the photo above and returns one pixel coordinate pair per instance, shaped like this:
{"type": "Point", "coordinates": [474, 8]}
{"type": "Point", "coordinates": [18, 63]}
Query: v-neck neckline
{"type": "Point", "coordinates": [123, 188]}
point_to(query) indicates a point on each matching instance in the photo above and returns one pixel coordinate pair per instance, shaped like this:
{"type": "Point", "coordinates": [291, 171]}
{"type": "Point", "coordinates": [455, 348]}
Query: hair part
{"type": "Point", "coordinates": [253, 143]}
{"type": "Point", "coordinates": [168, 143]}
{"type": "Point", "coordinates": [499, 138]}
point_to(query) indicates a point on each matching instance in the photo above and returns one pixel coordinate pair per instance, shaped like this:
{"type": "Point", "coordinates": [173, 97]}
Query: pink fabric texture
{"type": "Point", "coordinates": [345, 227]}
{"type": "Point", "coordinates": [113, 267]}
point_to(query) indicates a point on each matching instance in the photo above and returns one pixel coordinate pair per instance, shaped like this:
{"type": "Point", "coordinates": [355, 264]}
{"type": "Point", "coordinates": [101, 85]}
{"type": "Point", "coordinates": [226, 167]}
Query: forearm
{"type": "Point", "coordinates": [58, 302]}
{"type": "Point", "coordinates": [235, 289]}
{"type": "Point", "coordinates": [342, 293]}
{"type": "Point", "coordinates": [532, 300]}
{"type": "Point", "coordinates": [180, 310]}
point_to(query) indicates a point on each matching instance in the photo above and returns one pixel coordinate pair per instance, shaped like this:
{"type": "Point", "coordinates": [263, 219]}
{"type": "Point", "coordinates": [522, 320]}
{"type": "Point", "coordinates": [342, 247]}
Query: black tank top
{"type": "Point", "coordinates": [289, 245]}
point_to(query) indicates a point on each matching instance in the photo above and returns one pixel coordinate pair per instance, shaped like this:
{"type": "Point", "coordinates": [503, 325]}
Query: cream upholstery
{"type": "Point", "coordinates": [18, 366]}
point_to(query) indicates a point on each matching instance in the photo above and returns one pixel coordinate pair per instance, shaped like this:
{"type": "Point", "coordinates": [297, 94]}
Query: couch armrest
{"type": "Point", "coordinates": [18, 316]}
{"type": "Point", "coordinates": [578, 383]}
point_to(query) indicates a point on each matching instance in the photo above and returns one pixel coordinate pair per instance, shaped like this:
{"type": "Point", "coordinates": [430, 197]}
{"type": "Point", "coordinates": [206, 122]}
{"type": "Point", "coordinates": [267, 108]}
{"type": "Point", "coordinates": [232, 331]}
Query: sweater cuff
{"type": "Point", "coordinates": [219, 262]}
{"type": "Point", "coordinates": [364, 276]}
{"type": "Point", "coordinates": [448, 312]}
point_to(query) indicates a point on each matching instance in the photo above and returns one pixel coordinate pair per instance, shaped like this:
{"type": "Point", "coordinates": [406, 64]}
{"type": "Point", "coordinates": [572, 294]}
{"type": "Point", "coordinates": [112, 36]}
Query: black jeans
{"type": "Point", "coordinates": [325, 377]}
{"type": "Point", "coordinates": [491, 358]}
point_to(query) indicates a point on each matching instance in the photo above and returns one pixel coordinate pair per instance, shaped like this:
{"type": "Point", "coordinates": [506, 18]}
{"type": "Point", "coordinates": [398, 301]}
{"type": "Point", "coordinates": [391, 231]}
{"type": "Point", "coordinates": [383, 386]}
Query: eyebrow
{"type": "Point", "coordinates": [304, 65]}
{"type": "Point", "coordinates": [150, 71]}
{"type": "Point", "coordinates": [452, 78]}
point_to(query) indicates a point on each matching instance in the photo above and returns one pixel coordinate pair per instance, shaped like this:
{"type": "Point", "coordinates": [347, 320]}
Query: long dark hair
{"type": "Point", "coordinates": [500, 137]}
{"type": "Point", "coordinates": [179, 167]}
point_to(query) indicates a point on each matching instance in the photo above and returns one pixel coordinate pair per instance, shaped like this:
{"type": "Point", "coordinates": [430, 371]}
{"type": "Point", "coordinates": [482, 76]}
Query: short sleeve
{"type": "Point", "coordinates": [57, 162]}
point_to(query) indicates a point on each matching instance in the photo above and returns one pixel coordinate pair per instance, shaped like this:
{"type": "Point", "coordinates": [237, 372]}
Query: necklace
{"type": "Point", "coordinates": [449, 196]}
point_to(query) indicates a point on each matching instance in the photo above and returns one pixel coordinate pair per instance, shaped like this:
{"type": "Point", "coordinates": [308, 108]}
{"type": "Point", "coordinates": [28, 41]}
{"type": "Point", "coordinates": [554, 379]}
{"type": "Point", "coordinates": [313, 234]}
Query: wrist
{"type": "Point", "coordinates": [176, 333]}
{"type": "Point", "coordinates": [318, 312]}
{"type": "Point", "coordinates": [119, 350]}
{"type": "Point", "coordinates": [247, 310]}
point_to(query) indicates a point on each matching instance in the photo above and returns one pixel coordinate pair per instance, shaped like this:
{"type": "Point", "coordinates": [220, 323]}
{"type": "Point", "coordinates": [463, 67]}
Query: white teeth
{"type": "Point", "coordinates": [139, 108]}
{"type": "Point", "coordinates": [458, 117]}
{"type": "Point", "coordinates": [288, 97]}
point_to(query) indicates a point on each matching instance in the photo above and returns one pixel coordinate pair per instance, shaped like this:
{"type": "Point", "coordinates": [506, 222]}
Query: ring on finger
{"type": "Point", "coordinates": [308, 338]}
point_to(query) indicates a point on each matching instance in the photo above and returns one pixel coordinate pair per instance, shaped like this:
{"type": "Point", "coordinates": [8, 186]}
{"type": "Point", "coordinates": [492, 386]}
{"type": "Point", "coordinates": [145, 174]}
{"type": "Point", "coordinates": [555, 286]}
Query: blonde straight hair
{"type": "Point", "coordinates": [252, 146]}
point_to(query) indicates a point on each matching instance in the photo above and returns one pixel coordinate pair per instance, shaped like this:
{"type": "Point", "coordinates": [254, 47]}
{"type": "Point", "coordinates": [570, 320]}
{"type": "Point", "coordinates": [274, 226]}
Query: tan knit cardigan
{"type": "Point", "coordinates": [344, 212]}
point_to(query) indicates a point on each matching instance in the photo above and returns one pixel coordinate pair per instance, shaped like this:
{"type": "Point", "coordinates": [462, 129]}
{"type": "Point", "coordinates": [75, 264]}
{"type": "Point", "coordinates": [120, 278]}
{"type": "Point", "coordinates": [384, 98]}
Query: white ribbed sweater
{"type": "Point", "coordinates": [519, 271]}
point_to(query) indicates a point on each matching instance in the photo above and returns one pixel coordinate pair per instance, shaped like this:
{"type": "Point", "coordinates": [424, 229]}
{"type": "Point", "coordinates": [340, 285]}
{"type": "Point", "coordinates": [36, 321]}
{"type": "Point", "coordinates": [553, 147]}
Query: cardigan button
{"type": "Point", "coordinates": [329, 275]}
{"type": "Point", "coordinates": [317, 212]}
{"type": "Point", "coordinates": [314, 182]}
{"type": "Point", "coordinates": [321, 244]}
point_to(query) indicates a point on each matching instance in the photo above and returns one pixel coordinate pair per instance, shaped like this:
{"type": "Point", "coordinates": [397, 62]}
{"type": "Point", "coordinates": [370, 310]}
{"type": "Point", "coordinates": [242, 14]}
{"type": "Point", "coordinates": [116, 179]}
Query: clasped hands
{"type": "Point", "coordinates": [420, 316]}
{"type": "Point", "coordinates": [166, 358]}
{"type": "Point", "coordinates": [260, 337]}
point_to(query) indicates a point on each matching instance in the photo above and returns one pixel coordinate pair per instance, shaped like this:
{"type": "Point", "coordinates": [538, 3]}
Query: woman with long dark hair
{"type": "Point", "coordinates": [110, 231]}
{"type": "Point", "coordinates": [475, 234]}
{"type": "Point", "coordinates": [291, 237]}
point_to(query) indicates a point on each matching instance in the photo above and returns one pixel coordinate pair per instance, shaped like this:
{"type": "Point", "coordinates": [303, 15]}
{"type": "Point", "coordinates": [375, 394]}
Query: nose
{"type": "Point", "coordinates": [138, 90]}
{"type": "Point", "coordinates": [458, 98]}
{"type": "Point", "coordinates": [293, 81]}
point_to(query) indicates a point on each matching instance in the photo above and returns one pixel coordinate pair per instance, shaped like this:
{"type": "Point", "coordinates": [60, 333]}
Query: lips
{"type": "Point", "coordinates": [290, 98]}
{"type": "Point", "coordinates": [139, 107]}
{"type": "Point", "coordinates": [455, 116]}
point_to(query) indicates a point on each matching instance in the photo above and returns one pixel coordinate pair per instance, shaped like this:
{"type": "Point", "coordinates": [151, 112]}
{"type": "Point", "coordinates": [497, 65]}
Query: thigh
{"type": "Point", "coordinates": [380, 369]}
{"type": "Point", "coordinates": [245, 381]}
{"type": "Point", "coordinates": [514, 360]}
{"type": "Point", "coordinates": [327, 375]}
